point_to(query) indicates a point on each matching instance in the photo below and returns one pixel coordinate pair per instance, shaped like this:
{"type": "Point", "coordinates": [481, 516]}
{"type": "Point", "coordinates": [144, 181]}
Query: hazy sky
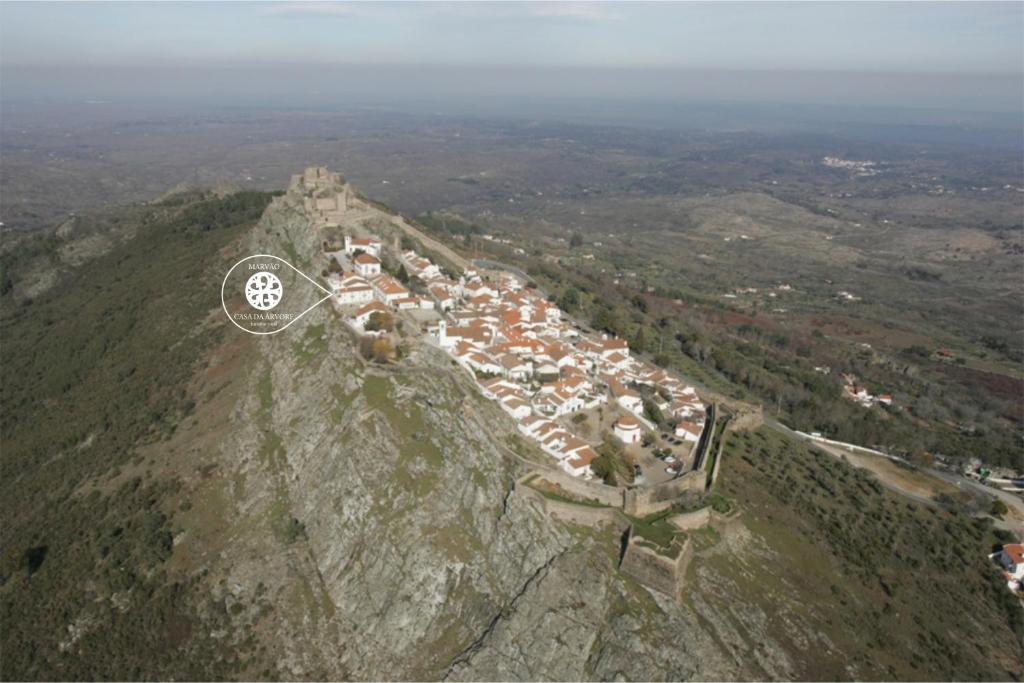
{"type": "Point", "coordinates": [920, 36]}
{"type": "Point", "coordinates": [939, 53]}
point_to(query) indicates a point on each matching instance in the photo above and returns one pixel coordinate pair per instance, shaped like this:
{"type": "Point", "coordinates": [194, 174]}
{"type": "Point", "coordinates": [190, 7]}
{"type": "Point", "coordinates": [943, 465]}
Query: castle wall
{"type": "Point", "coordinates": [570, 513]}
{"type": "Point", "coordinates": [641, 502]}
{"type": "Point", "coordinates": [654, 570]}
{"type": "Point", "coordinates": [586, 490]}
{"type": "Point", "coordinates": [704, 517]}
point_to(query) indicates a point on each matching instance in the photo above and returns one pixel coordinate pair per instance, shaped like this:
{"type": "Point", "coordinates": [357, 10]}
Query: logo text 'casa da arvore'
{"type": "Point", "coordinates": [264, 294]}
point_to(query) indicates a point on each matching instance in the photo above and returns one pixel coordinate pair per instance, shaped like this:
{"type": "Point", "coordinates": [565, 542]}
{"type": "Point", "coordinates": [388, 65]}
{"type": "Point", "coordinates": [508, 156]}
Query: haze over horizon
{"type": "Point", "coordinates": [951, 56]}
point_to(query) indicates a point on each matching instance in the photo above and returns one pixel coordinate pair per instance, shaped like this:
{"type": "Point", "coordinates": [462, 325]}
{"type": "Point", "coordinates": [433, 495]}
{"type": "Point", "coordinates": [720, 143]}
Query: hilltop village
{"type": "Point", "coordinates": [547, 372]}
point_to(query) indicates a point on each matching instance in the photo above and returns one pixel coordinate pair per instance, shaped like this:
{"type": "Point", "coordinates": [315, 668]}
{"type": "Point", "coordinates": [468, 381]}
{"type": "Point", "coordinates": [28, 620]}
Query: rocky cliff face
{"type": "Point", "coordinates": [367, 525]}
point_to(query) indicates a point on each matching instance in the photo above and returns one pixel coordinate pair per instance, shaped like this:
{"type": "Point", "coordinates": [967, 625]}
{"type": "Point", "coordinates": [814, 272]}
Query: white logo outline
{"type": "Point", "coordinates": [224, 305]}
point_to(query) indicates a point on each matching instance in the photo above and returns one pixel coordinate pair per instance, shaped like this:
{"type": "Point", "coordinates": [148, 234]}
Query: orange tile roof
{"type": "Point", "coordinates": [1015, 551]}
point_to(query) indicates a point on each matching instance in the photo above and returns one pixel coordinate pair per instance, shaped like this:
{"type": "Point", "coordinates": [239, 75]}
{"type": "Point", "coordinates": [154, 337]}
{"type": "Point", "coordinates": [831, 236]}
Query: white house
{"type": "Point", "coordinates": [367, 265]}
{"type": "Point", "coordinates": [627, 430]}
{"type": "Point", "coordinates": [388, 289]}
{"type": "Point", "coordinates": [349, 289]}
{"type": "Point", "coordinates": [516, 407]}
{"type": "Point", "coordinates": [442, 297]}
{"type": "Point", "coordinates": [610, 347]}
{"type": "Point", "coordinates": [1011, 557]}
{"type": "Point", "coordinates": [530, 425]}
{"type": "Point", "coordinates": [354, 294]}
{"type": "Point", "coordinates": [689, 431]}
{"type": "Point", "coordinates": [577, 456]}
{"type": "Point", "coordinates": [515, 367]}
{"type": "Point", "coordinates": [411, 302]}
{"type": "Point", "coordinates": [631, 401]}
{"type": "Point", "coordinates": [421, 267]}
{"type": "Point", "coordinates": [363, 314]}
{"type": "Point", "coordinates": [478, 288]}
{"type": "Point", "coordinates": [481, 362]}
{"type": "Point", "coordinates": [369, 246]}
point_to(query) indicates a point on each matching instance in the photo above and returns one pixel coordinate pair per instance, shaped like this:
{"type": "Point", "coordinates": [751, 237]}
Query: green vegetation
{"type": "Point", "coordinates": [311, 346]}
{"type": "Point", "coordinates": [656, 528]}
{"type": "Point", "coordinates": [610, 464]}
{"type": "Point", "coordinates": [92, 371]}
{"type": "Point", "coordinates": [719, 503]}
{"type": "Point", "coordinates": [380, 321]}
{"type": "Point", "coordinates": [880, 576]}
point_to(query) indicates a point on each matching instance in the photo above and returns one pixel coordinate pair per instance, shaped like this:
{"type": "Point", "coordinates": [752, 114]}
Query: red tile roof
{"type": "Point", "coordinates": [1015, 551]}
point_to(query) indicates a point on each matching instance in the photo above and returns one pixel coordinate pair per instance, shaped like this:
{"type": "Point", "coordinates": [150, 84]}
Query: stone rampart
{"type": "Point", "coordinates": [643, 501]}
{"type": "Point", "coordinates": [656, 570]}
{"type": "Point", "coordinates": [583, 489]}
{"type": "Point", "coordinates": [572, 513]}
{"type": "Point", "coordinates": [704, 517]}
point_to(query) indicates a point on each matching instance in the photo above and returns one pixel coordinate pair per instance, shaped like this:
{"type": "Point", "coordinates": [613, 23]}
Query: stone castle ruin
{"type": "Point", "coordinates": [327, 196]}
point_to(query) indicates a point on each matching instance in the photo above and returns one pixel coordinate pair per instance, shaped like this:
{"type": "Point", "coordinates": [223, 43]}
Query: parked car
{"type": "Point", "coordinates": [671, 470]}
{"type": "Point", "coordinates": [669, 459]}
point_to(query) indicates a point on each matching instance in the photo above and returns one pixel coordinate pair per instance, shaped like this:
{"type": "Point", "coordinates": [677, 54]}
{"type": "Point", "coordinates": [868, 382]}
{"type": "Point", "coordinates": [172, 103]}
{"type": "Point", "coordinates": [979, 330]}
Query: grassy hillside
{"type": "Point", "coordinates": [888, 588]}
{"type": "Point", "coordinates": [92, 370]}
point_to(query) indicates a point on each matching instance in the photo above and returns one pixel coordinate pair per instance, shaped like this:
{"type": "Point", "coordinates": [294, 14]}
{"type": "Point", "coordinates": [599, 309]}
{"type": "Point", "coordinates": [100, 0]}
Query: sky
{"type": "Point", "coordinates": [935, 53]}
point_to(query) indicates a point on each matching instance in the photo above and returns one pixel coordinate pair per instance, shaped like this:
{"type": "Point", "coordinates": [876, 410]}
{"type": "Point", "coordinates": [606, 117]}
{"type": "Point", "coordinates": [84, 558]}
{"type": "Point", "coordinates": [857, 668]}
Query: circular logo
{"type": "Point", "coordinates": [263, 291]}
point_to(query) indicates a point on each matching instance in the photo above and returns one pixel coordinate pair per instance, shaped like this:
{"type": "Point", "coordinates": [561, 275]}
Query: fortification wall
{"type": "Point", "coordinates": [747, 418]}
{"type": "Point", "coordinates": [698, 519]}
{"type": "Point", "coordinates": [584, 515]}
{"type": "Point", "coordinates": [586, 490]}
{"type": "Point", "coordinates": [657, 571]}
{"type": "Point", "coordinates": [640, 502]}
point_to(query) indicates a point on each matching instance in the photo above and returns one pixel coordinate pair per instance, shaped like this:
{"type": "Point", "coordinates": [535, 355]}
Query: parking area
{"type": "Point", "coordinates": [663, 460]}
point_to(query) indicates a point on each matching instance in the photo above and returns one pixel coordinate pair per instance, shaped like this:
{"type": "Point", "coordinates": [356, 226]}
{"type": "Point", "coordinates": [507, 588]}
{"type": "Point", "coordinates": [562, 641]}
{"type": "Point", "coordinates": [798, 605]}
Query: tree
{"type": "Point", "coordinates": [382, 349]}
{"type": "Point", "coordinates": [379, 349]}
{"type": "Point", "coordinates": [605, 320]}
{"type": "Point", "coordinates": [609, 465]}
{"type": "Point", "coordinates": [998, 508]}
{"type": "Point", "coordinates": [576, 240]}
{"type": "Point", "coordinates": [403, 274]}
{"type": "Point", "coordinates": [663, 324]}
{"type": "Point", "coordinates": [380, 321]}
{"type": "Point", "coordinates": [569, 300]}
{"type": "Point", "coordinates": [653, 412]}
{"type": "Point", "coordinates": [639, 340]}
